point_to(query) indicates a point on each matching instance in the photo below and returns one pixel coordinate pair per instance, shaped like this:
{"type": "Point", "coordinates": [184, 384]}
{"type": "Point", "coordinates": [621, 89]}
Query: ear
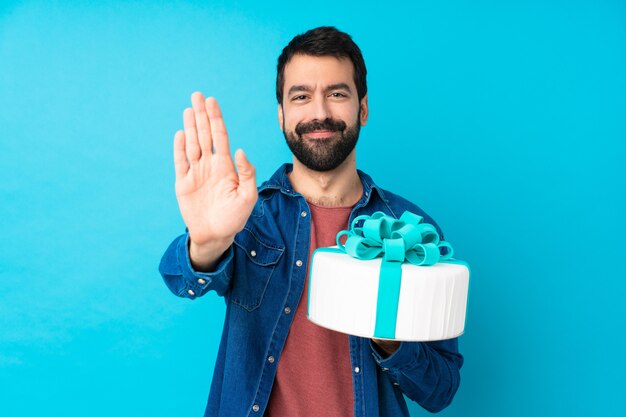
{"type": "Point", "coordinates": [281, 116]}
{"type": "Point", "coordinates": [363, 110]}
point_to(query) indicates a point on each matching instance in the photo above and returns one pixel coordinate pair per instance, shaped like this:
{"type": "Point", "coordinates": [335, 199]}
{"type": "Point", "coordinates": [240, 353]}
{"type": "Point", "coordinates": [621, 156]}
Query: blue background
{"type": "Point", "coordinates": [506, 122]}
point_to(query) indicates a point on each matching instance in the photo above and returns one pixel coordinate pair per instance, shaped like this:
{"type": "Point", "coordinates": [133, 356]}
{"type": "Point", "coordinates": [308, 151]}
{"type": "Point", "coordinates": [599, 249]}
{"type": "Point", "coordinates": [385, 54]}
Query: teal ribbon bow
{"type": "Point", "coordinates": [406, 239]}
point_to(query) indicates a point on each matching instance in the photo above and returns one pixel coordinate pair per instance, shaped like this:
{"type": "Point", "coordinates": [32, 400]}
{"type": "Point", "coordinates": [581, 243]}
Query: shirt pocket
{"type": "Point", "coordinates": [255, 262]}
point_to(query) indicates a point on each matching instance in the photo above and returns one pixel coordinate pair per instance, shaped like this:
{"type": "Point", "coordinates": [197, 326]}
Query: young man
{"type": "Point", "coordinates": [252, 246]}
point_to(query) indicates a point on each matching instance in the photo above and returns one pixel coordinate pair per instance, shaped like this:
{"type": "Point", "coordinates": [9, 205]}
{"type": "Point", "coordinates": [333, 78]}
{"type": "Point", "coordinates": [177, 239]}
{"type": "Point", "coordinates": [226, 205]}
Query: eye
{"type": "Point", "coordinates": [298, 98]}
{"type": "Point", "coordinates": [337, 94]}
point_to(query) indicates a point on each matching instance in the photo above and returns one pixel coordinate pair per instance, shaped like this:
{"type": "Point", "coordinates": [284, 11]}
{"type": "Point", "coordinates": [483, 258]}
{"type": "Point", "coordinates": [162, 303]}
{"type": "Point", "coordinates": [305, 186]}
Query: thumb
{"type": "Point", "coordinates": [246, 171]}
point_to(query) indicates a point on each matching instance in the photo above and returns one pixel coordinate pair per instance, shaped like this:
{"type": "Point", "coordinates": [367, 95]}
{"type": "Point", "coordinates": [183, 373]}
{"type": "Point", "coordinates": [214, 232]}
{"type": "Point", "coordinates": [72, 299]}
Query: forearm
{"type": "Point", "coordinates": [204, 258]}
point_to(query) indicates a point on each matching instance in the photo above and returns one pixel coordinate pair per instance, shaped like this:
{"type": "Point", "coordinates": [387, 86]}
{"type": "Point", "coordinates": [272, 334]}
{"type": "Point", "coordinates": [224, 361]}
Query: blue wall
{"type": "Point", "coordinates": [516, 117]}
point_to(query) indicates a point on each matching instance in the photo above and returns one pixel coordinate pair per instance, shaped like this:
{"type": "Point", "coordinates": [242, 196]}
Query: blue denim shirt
{"type": "Point", "coordinates": [262, 283]}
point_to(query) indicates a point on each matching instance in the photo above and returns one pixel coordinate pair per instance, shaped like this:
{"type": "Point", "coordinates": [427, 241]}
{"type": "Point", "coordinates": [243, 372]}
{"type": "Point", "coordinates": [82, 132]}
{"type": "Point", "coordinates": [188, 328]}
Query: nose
{"type": "Point", "coordinates": [320, 109]}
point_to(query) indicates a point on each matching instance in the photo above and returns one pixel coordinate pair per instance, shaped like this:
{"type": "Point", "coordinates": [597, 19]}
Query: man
{"type": "Point", "coordinates": [252, 246]}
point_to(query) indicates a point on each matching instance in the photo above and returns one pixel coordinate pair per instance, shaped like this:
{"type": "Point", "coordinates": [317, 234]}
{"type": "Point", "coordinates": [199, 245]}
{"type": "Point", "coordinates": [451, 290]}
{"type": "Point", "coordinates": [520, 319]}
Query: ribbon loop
{"type": "Point", "coordinates": [393, 250]}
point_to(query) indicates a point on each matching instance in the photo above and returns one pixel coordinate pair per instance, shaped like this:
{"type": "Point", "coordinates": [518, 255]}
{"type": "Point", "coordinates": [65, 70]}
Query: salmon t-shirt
{"type": "Point", "coordinates": [314, 374]}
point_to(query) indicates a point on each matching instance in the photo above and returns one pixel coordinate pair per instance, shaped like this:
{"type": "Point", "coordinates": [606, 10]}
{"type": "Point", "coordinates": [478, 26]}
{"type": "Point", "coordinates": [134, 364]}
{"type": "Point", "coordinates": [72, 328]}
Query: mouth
{"type": "Point", "coordinates": [320, 134]}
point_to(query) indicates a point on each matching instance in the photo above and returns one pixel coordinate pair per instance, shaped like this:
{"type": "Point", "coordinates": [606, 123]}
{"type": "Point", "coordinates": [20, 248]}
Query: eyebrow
{"type": "Point", "coordinates": [339, 86]}
{"type": "Point", "coordinates": [308, 88]}
{"type": "Point", "coordinates": [300, 87]}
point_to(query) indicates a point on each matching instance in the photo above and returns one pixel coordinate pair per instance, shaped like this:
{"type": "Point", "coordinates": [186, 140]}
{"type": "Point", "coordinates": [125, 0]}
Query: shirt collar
{"type": "Point", "coordinates": [280, 181]}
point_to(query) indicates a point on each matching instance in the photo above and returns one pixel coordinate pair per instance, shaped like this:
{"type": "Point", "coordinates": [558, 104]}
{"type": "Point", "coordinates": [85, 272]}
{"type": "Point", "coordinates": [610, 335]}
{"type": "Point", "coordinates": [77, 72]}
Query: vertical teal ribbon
{"type": "Point", "coordinates": [389, 284]}
{"type": "Point", "coordinates": [396, 240]}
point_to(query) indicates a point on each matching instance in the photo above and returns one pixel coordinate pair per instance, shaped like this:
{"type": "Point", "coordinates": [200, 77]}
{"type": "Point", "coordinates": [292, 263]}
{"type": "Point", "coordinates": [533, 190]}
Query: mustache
{"type": "Point", "coordinates": [327, 124]}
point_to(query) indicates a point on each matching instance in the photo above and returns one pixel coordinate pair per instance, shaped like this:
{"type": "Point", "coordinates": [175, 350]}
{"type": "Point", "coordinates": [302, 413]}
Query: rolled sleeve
{"type": "Point", "coordinates": [426, 372]}
{"type": "Point", "coordinates": [184, 281]}
{"type": "Point", "coordinates": [405, 357]}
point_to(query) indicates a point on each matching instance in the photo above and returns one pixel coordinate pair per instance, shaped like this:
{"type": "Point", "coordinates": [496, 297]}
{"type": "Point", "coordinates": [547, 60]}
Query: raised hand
{"type": "Point", "coordinates": [214, 199]}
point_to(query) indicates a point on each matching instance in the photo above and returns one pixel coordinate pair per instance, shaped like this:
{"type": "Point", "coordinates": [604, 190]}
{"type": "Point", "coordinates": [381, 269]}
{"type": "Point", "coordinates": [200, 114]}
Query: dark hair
{"type": "Point", "coordinates": [323, 41]}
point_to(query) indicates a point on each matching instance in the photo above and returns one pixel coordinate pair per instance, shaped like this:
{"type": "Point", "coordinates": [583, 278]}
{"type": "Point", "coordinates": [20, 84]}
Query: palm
{"type": "Point", "coordinates": [214, 199]}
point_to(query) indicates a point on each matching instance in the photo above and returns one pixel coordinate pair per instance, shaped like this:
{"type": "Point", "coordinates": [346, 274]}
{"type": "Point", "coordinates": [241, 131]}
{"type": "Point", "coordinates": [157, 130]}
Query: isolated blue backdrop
{"type": "Point", "coordinates": [515, 115]}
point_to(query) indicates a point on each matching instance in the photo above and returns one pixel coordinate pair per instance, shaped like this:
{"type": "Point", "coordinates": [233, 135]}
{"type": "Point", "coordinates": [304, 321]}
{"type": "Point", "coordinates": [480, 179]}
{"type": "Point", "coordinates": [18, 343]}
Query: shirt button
{"type": "Point", "coordinates": [299, 262]}
{"type": "Point", "coordinates": [253, 253]}
{"type": "Point", "coordinates": [191, 292]}
{"type": "Point", "coordinates": [287, 310]}
{"type": "Point", "coordinates": [357, 370]}
{"type": "Point", "coordinates": [396, 384]}
{"type": "Point", "coordinates": [385, 369]}
{"type": "Point", "coordinates": [270, 359]}
{"type": "Point", "coordinates": [303, 214]}
{"type": "Point", "coordinates": [255, 408]}
{"type": "Point", "coordinates": [201, 281]}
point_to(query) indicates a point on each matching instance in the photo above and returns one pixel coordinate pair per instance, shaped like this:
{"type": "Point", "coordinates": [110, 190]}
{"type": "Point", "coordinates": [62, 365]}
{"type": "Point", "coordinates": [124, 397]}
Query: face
{"type": "Point", "coordinates": [321, 114]}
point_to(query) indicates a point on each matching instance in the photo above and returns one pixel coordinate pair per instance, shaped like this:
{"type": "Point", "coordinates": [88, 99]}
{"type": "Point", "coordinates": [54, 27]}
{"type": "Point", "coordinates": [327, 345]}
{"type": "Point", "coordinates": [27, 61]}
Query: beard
{"type": "Point", "coordinates": [323, 154]}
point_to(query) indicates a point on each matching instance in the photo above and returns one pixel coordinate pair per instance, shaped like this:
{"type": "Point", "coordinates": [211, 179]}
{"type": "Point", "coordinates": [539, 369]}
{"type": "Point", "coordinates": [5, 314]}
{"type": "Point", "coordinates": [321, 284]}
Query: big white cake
{"type": "Point", "coordinates": [343, 295]}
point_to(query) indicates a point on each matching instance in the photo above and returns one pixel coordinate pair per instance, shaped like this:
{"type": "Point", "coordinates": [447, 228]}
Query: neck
{"type": "Point", "coordinates": [337, 188]}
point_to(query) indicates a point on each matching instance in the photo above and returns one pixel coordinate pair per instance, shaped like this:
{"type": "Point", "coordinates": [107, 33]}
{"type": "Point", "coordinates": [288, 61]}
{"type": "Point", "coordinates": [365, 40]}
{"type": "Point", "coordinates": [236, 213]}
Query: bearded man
{"type": "Point", "coordinates": [252, 245]}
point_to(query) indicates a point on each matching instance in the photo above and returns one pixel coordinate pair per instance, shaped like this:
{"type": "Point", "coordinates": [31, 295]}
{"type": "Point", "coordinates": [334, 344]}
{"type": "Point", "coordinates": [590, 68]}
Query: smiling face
{"type": "Point", "coordinates": [320, 114]}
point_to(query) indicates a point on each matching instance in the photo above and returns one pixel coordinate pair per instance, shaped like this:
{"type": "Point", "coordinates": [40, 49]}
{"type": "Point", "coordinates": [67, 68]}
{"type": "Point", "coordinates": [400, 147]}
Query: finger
{"type": "Point", "coordinates": [247, 174]}
{"type": "Point", "coordinates": [202, 123]}
{"type": "Point", "coordinates": [191, 137]}
{"type": "Point", "coordinates": [218, 128]}
{"type": "Point", "coordinates": [181, 166]}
